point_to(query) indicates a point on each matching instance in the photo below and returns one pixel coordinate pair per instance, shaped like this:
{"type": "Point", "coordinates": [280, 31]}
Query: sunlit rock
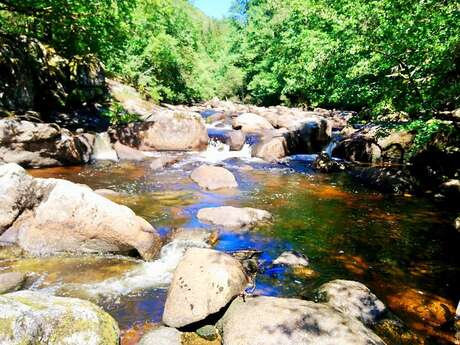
{"type": "Point", "coordinates": [274, 321]}
{"type": "Point", "coordinates": [27, 317]}
{"type": "Point", "coordinates": [353, 299]}
{"type": "Point", "coordinates": [11, 281]}
{"type": "Point", "coordinates": [204, 282]}
{"type": "Point", "coordinates": [233, 217]}
{"type": "Point", "coordinates": [213, 178]}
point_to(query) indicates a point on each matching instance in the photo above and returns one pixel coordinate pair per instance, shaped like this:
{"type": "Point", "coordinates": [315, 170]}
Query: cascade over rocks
{"type": "Point", "coordinates": [30, 318]}
{"type": "Point", "coordinates": [204, 282]}
{"type": "Point", "coordinates": [288, 321]}
{"type": "Point", "coordinates": [42, 145]}
{"type": "Point", "coordinates": [233, 217]}
{"type": "Point", "coordinates": [49, 216]}
{"type": "Point", "coordinates": [164, 131]}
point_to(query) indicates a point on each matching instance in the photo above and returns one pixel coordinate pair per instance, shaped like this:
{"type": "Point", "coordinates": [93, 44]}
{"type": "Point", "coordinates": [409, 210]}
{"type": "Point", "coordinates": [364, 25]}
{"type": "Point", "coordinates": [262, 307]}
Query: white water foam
{"type": "Point", "coordinates": [148, 275]}
{"type": "Point", "coordinates": [103, 150]}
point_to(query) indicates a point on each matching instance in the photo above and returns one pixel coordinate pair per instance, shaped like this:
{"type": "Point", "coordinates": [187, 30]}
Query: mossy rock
{"type": "Point", "coordinates": [27, 316]}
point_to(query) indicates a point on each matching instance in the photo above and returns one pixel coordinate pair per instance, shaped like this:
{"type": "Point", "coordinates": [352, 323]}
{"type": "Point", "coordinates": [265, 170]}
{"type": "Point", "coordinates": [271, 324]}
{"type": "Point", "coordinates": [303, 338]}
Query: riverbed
{"type": "Point", "coordinates": [403, 248]}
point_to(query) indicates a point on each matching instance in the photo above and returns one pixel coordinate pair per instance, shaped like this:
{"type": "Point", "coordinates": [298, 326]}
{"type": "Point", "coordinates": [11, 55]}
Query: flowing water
{"type": "Point", "coordinates": [404, 248]}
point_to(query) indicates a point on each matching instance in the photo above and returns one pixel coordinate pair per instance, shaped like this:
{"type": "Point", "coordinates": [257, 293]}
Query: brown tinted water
{"type": "Point", "coordinates": [404, 248]}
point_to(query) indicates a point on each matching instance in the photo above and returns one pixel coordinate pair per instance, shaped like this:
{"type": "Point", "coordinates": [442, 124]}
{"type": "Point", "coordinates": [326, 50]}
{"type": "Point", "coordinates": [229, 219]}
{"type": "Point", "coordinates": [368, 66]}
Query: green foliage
{"type": "Point", "coordinates": [118, 115]}
{"type": "Point", "coordinates": [385, 56]}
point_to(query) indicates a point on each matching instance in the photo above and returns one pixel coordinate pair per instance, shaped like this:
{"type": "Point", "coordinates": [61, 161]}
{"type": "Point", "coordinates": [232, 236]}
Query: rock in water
{"type": "Point", "coordinates": [204, 282]}
{"type": "Point", "coordinates": [353, 299]}
{"type": "Point", "coordinates": [42, 145]}
{"type": "Point", "coordinates": [162, 336]}
{"type": "Point", "coordinates": [213, 178]}
{"type": "Point", "coordinates": [235, 140]}
{"type": "Point", "coordinates": [275, 321]}
{"type": "Point", "coordinates": [128, 153]}
{"type": "Point", "coordinates": [165, 131]}
{"type": "Point", "coordinates": [233, 217]}
{"type": "Point", "coordinates": [15, 189]}
{"type": "Point", "coordinates": [11, 281]}
{"type": "Point", "coordinates": [58, 216]}
{"type": "Point", "coordinates": [28, 317]}
{"type": "Point", "coordinates": [291, 259]}
{"type": "Point", "coordinates": [251, 123]}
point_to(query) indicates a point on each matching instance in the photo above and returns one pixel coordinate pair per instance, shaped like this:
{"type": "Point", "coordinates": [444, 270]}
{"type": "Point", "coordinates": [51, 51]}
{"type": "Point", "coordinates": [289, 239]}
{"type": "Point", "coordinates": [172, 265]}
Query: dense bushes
{"type": "Point", "coordinates": [384, 56]}
{"type": "Point", "coordinates": [379, 56]}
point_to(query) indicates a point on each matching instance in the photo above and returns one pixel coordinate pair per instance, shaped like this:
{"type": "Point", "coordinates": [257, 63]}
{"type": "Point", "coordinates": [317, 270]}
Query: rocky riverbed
{"type": "Point", "coordinates": [221, 223]}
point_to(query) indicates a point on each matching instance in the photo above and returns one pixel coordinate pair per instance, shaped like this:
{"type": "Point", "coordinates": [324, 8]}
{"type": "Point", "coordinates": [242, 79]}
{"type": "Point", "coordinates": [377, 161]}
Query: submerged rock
{"type": "Point", "coordinates": [42, 145]}
{"type": "Point", "coordinates": [164, 131]}
{"type": "Point", "coordinates": [164, 161]}
{"type": "Point", "coordinates": [58, 216]}
{"type": "Point", "coordinates": [233, 217]}
{"type": "Point", "coordinates": [353, 299]}
{"type": "Point", "coordinates": [387, 179]}
{"type": "Point", "coordinates": [274, 321]}
{"type": "Point", "coordinates": [325, 164]}
{"type": "Point", "coordinates": [213, 178]}
{"type": "Point", "coordinates": [291, 259]}
{"type": "Point", "coordinates": [11, 281]}
{"type": "Point", "coordinates": [204, 282]}
{"type": "Point", "coordinates": [28, 317]}
{"type": "Point", "coordinates": [162, 336]}
{"type": "Point", "coordinates": [128, 153]}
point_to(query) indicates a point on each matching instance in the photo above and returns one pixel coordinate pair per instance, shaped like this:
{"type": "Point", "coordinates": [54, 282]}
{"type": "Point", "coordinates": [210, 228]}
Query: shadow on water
{"type": "Point", "coordinates": [404, 248]}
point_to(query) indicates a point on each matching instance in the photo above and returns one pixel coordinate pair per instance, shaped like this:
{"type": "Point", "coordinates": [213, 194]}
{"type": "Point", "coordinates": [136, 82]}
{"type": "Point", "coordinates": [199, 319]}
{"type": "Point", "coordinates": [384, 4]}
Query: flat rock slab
{"type": "Point", "coordinates": [204, 282]}
{"type": "Point", "coordinates": [275, 321]}
{"type": "Point", "coordinates": [353, 299]}
{"type": "Point", "coordinates": [213, 178]}
{"type": "Point", "coordinates": [11, 281]}
{"type": "Point", "coordinates": [28, 317]}
{"type": "Point", "coordinates": [233, 217]}
{"type": "Point", "coordinates": [162, 336]}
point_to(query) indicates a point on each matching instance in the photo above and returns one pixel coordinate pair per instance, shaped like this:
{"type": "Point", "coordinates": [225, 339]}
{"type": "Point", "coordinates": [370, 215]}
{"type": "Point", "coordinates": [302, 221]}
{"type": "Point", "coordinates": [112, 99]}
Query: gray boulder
{"type": "Point", "coordinates": [233, 217]}
{"type": "Point", "coordinates": [42, 145]}
{"type": "Point", "coordinates": [213, 178]}
{"type": "Point", "coordinates": [28, 317]}
{"type": "Point", "coordinates": [353, 299]}
{"type": "Point", "coordinates": [204, 282]}
{"type": "Point", "coordinates": [57, 216]}
{"type": "Point", "coordinates": [11, 281]}
{"type": "Point", "coordinates": [275, 321]}
{"type": "Point", "coordinates": [165, 131]}
{"type": "Point", "coordinates": [162, 336]}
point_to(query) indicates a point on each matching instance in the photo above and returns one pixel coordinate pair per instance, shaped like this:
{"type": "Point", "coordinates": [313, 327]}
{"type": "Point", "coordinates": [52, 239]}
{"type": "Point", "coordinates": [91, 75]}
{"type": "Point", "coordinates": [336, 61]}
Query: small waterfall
{"type": "Point", "coordinates": [218, 152]}
{"type": "Point", "coordinates": [103, 150]}
{"type": "Point", "coordinates": [332, 144]}
{"type": "Point", "coordinates": [148, 275]}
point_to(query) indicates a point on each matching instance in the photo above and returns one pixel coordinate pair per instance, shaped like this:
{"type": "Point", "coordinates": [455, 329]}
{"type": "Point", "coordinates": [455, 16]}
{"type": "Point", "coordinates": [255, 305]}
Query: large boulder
{"type": "Point", "coordinates": [11, 281]}
{"type": "Point", "coordinates": [375, 144]}
{"type": "Point", "coordinates": [42, 145]}
{"type": "Point", "coordinates": [213, 178]}
{"type": "Point", "coordinates": [28, 317]}
{"type": "Point", "coordinates": [310, 135]}
{"type": "Point", "coordinates": [248, 122]}
{"type": "Point", "coordinates": [58, 216]}
{"type": "Point", "coordinates": [164, 131]}
{"type": "Point", "coordinates": [353, 299]}
{"type": "Point", "coordinates": [274, 321]}
{"type": "Point", "coordinates": [204, 282]}
{"type": "Point", "coordinates": [235, 140]}
{"type": "Point", "coordinates": [233, 217]}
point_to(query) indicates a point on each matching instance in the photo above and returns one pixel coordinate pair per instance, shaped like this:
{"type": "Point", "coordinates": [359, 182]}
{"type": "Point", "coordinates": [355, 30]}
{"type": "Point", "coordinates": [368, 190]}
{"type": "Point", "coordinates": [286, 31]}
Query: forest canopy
{"type": "Point", "coordinates": [379, 56]}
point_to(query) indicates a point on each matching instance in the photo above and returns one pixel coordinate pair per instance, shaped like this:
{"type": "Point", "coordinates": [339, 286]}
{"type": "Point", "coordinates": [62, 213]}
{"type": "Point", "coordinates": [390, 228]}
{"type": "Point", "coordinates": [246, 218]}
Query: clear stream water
{"type": "Point", "coordinates": [404, 248]}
